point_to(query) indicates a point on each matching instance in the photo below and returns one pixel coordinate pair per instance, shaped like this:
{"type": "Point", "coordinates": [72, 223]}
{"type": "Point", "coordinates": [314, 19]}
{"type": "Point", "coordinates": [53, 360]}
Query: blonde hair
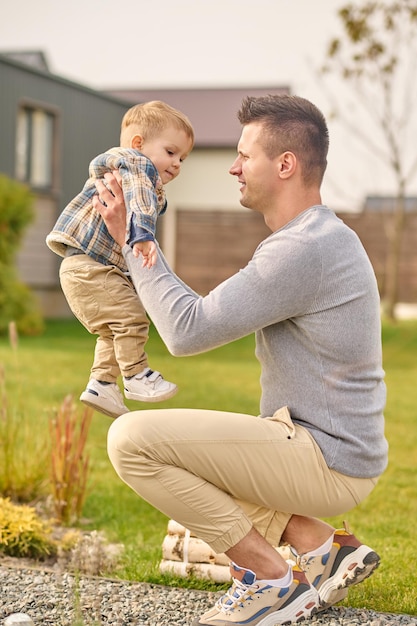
{"type": "Point", "coordinates": [150, 118]}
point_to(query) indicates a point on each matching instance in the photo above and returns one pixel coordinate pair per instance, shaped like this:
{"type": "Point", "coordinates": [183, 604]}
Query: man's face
{"type": "Point", "coordinates": [255, 171]}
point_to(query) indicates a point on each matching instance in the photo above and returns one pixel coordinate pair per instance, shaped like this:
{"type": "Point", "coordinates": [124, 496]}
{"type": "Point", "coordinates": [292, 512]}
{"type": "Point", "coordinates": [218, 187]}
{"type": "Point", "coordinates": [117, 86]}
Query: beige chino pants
{"type": "Point", "coordinates": [104, 300]}
{"type": "Point", "coordinates": [219, 474]}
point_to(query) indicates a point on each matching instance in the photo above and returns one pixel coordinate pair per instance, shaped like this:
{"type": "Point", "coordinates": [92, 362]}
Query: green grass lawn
{"type": "Point", "coordinates": [43, 370]}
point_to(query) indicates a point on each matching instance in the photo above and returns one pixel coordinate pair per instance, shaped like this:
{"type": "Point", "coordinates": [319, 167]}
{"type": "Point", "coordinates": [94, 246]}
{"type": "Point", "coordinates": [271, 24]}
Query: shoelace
{"type": "Point", "coordinates": [303, 562]}
{"type": "Point", "coordinates": [237, 594]}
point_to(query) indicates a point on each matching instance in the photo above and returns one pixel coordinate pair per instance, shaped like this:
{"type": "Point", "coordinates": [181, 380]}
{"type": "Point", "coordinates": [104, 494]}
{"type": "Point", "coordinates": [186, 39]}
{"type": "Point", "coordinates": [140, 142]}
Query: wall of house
{"type": "Point", "coordinates": [89, 121]}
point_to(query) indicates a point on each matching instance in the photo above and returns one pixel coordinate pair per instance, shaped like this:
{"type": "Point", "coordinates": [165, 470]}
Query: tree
{"type": "Point", "coordinates": [376, 56]}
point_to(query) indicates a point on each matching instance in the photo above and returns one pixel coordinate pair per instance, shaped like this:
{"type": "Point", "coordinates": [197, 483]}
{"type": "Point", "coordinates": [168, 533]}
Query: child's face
{"type": "Point", "coordinates": [167, 151]}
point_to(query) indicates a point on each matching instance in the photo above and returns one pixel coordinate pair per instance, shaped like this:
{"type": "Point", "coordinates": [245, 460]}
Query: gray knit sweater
{"type": "Point", "coordinates": [310, 296]}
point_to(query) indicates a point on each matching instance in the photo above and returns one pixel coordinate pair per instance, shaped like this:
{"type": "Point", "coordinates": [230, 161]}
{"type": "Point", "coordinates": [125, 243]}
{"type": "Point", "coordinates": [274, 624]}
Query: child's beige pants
{"type": "Point", "coordinates": [104, 300]}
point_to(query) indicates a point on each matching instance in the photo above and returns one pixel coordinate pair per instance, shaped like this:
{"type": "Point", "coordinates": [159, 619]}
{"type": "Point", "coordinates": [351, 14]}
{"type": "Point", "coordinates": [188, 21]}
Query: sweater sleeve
{"type": "Point", "coordinates": [260, 294]}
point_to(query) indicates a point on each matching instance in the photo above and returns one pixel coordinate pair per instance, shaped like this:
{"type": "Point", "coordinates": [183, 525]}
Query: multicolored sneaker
{"type": "Point", "coordinates": [349, 562]}
{"type": "Point", "coordinates": [251, 602]}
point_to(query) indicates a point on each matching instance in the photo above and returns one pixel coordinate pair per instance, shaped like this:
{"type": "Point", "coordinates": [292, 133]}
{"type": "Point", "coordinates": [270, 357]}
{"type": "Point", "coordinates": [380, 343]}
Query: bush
{"type": "Point", "coordinates": [16, 212]}
{"type": "Point", "coordinates": [17, 302]}
{"type": "Point", "coordinates": [23, 533]}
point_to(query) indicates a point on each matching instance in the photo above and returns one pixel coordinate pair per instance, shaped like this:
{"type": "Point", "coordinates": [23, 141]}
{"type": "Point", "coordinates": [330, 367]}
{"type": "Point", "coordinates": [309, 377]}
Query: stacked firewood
{"type": "Point", "coordinates": [185, 555]}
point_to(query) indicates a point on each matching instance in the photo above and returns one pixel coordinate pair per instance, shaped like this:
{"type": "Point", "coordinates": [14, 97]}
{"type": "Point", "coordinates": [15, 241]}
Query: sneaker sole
{"type": "Point", "coordinates": [338, 596]}
{"type": "Point", "coordinates": [89, 400]}
{"type": "Point", "coordinates": [159, 398]}
{"type": "Point", "coordinates": [353, 569]}
{"type": "Point", "coordinates": [298, 610]}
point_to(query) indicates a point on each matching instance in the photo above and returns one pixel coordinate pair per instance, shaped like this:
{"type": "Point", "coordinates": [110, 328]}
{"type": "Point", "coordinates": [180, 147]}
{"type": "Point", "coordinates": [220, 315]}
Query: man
{"type": "Point", "coordinates": [245, 483]}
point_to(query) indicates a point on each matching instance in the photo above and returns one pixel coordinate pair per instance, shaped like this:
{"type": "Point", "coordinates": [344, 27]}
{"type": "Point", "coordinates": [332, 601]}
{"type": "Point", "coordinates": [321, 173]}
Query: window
{"type": "Point", "coordinates": [35, 146]}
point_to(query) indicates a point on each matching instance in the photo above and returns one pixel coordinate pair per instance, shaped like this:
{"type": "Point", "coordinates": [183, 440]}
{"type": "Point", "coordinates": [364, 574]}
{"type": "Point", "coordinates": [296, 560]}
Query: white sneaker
{"type": "Point", "coordinates": [104, 398]}
{"type": "Point", "coordinates": [148, 386]}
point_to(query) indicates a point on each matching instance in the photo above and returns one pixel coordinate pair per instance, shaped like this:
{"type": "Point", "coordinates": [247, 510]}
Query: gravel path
{"type": "Point", "coordinates": [60, 599]}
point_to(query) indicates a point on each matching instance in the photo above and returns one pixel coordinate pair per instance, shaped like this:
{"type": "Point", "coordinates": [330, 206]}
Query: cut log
{"type": "Point", "coordinates": [184, 554]}
{"type": "Point", "coordinates": [191, 550]}
{"type": "Point", "coordinates": [206, 571]}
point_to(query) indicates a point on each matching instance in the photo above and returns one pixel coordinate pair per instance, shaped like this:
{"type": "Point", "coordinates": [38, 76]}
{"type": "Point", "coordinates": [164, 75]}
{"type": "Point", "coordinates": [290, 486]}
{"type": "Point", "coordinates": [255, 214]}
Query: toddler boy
{"type": "Point", "coordinates": [155, 139]}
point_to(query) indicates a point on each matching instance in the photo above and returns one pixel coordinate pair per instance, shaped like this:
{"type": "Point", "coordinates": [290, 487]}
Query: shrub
{"type": "Point", "coordinates": [16, 212]}
{"type": "Point", "coordinates": [17, 302]}
{"type": "Point", "coordinates": [88, 553]}
{"type": "Point", "coordinates": [23, 533]}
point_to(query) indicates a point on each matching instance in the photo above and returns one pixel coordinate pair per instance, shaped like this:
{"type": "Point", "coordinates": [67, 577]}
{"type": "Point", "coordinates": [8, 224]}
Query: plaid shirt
{"type": "Point", "coordinates": [80, 226]}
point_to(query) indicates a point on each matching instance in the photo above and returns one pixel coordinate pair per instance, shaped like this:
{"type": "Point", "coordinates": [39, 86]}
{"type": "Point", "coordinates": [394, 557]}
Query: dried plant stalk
{"type": "Point", "coordinates": [69, 460]}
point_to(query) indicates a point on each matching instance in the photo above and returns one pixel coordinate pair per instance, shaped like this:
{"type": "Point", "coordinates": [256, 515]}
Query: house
{"type": "Point", "coordinates": [50, 129]}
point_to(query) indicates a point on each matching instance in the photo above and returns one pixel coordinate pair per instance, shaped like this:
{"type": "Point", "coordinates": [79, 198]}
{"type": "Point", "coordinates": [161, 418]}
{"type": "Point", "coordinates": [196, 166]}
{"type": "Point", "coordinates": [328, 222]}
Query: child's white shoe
{"type": "Point", "coordinates": [148, 386]}
{"type": "Point", "coordinates": [104, 397]}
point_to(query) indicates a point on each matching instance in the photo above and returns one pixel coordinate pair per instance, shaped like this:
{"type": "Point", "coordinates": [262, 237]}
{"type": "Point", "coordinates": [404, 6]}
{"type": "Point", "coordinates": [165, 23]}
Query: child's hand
{"type": "Point", "coordinates": [148, 251]}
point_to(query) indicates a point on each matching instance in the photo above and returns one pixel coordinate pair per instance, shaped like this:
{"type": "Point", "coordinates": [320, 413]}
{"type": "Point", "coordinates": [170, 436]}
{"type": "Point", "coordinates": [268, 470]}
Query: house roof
{"type": "Point", "coordinates": [33, 58]}
{"type": "Point", "coordinates": [212, 112]}
{"type": "Point", "coordinates": [34, 62]}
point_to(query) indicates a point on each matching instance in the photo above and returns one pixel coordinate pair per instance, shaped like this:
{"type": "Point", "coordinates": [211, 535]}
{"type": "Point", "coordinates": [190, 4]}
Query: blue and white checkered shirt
{"type": "Point", "coordinates": [80, 226]}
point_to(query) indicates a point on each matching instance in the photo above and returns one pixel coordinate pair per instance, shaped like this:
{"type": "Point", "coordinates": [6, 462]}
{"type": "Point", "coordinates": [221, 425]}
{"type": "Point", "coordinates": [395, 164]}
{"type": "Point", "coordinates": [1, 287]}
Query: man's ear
{"type": "Point", "coordinates": [137, 142]}
{"type": "Point", "coordinates": [286, 164]}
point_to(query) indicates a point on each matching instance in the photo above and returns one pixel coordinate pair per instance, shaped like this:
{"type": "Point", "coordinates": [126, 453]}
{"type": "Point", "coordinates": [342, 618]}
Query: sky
{"type": "Point", "coordinates": [198, 43]}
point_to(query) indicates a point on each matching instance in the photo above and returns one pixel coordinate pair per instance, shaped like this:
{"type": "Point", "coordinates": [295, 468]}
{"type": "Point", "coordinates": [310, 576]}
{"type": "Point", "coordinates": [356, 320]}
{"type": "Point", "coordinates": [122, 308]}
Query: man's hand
{"type": "Point", "coordinates": [109, 202]}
